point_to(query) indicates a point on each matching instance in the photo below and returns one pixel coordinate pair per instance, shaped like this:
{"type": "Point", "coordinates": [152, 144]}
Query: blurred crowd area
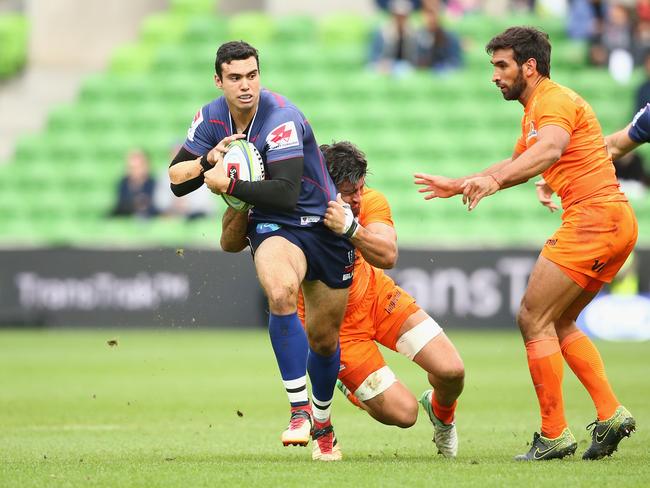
{"type": "Point", "coordinates": [402, 63]}
{"type": "Point", "coordinates": [617, 33]}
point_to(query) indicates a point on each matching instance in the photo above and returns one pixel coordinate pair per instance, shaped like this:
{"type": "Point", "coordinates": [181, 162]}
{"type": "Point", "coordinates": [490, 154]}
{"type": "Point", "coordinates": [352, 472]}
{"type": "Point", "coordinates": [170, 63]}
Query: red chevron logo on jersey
{"type": "Point", "coordinates": [281, 133]}
{"type": "Point", "coordinates": [283, 136]}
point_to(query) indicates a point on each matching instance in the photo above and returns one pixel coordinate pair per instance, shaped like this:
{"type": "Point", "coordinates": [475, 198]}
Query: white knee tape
{"type": "Point", "coordinates": [376, 383]}
{"type": "Point", "coordinates": [412, 341]}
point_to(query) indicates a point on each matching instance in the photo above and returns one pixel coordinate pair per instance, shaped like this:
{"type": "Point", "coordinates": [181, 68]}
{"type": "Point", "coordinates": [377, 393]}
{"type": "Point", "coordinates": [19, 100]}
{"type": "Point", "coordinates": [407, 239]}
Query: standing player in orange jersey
{"type": "Point", "coordinates": [378, 310]}
{"type": "Point", "coordinates": [561, 140]}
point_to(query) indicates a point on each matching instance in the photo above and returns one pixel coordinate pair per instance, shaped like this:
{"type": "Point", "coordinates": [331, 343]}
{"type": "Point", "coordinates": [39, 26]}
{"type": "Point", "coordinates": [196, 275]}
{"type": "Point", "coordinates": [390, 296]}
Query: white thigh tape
{"type": "Point", "coordinates": [376, 383]}
{"type": "Point", "coordinates": [412, 341]}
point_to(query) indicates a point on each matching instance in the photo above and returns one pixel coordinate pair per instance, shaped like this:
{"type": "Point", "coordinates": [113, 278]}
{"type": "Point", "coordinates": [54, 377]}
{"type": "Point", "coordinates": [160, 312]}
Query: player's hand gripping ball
{"type": "Point", "coordinates": [242, 161]}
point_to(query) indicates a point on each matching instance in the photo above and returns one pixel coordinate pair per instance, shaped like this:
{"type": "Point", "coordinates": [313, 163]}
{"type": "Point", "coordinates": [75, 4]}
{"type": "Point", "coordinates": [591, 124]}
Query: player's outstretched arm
{"type": "Point", "coordinates": [620, 143]}
{"type": "Point", "coordinates": [377, 242]}
{"type": "Point", "coordinates": [551, 142]}
{"type": "Point", "coordinates": [233, 230]}
{"type": "Point", "coordinates": [436, 186]}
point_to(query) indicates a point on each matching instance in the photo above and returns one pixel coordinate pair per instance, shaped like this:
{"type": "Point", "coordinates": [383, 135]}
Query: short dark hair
{"type": "Point", "coordinates": [526, 42]}
{"type": "Point", "coordinates": [234, 50]}
{"type": "Point", "coordinates": [345, 162]}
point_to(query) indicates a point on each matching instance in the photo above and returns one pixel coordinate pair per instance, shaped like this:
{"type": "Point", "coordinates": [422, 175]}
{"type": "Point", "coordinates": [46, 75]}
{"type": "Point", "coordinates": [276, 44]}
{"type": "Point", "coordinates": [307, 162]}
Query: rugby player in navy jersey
{"type": "Point", "coordinates": [292, 249]}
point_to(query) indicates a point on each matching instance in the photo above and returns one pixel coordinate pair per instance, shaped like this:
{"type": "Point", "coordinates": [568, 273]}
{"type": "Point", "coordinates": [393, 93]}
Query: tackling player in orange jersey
{"type": "Point", "coordinates": [378, 310]}
{"type": "Point", "coordinates": [561, 140]}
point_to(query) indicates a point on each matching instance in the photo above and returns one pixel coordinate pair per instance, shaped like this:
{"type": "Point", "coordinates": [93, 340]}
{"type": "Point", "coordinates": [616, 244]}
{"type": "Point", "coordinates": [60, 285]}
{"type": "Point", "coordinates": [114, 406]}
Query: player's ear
{"type": "Point", "coordinates": [531, 66]}
{"type": "Point", "coordinates": [218, 82]}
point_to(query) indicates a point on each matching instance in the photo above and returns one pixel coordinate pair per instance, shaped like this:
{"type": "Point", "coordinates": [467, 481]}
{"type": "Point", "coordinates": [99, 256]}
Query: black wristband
{"type": "Point", "coordinates": [205, 164]}
{"type": "Point", "coordinates": [352, 229]}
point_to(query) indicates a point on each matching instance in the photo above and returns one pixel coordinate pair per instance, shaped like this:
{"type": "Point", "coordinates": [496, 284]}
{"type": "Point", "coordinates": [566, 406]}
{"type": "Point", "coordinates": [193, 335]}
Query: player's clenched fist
{"type": "Point", "coordinates": [217, 152]}
{"type": "Point", "coordinates": [339, 217]}
{"type": "Point", "coordinates": [216, 178]}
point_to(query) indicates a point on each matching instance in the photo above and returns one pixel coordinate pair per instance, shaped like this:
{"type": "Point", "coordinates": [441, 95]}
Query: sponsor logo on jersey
{"type": "Point", "coordinates": [198, 118]}
{"type": "Point", "coordinates": [598, 266]}
{"type": "Point", "coordinates": [393, 301]}
{"type": "Point", "coordinates": [309, 219]}
{"type": "Point", "coordinates": [348, 272]}
{"type": "Point", "coordinates": [233, 170]}
{"type": "Point", "coordinates": [532, 132]}
{"type": "Point", "coordinates": [265, 228]}
{"type": "Point", "coordinates": [283, 136]}
{"type": "Point", "coordinates": [551, 242]}
{"type": "Point", "coordinates": [639, 114]}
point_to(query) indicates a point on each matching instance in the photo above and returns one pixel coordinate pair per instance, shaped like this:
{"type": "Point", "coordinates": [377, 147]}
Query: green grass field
{"type": "Point", "coordinates": [202, 408]}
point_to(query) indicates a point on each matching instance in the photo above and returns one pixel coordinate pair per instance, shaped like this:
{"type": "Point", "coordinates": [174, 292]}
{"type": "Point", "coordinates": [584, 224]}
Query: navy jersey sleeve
{"type": "Point", "coordinates": [640, 130]}
{"type": "Point", "coordinates": [283, 133]}
{"type": "Point", "coordinates": [200, 138]}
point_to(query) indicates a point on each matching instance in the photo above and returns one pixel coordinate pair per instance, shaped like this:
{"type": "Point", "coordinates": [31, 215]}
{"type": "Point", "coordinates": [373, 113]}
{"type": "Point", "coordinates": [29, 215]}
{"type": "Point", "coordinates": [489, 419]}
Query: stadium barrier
{"type": "Point", "coordinates": [165, 288]}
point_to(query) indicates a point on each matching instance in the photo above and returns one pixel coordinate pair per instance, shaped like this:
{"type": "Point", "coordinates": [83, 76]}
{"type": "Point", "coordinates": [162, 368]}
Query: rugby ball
{"type": "Point", "coordinates": [242, 162]}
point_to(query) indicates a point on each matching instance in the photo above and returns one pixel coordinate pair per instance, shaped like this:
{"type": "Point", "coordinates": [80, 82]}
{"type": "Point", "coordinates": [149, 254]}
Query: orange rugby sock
{"type": "Point", "coordinates": [546, 369]}
{"type": "Point", "coordinates": [443, 412]}
{"type": "Point", "coordinates": [585, 361]}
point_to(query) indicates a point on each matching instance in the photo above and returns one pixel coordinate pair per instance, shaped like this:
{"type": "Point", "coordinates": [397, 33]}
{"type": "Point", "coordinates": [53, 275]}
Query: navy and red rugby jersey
{"type": "Point", "coordinates": [279, 131]}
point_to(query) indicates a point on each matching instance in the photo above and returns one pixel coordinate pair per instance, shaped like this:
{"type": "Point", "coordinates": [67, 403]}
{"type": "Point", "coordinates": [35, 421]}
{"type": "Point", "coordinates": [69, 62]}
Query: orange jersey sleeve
{"type": "Point", "coordinates": [585, 170]}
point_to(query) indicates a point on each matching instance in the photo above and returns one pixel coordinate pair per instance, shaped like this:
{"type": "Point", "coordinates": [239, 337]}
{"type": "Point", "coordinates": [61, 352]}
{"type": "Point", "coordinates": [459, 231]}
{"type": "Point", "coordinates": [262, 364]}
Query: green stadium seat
{"type": "Point", "coordinates": [344, 29]}
{"type": "Point", "coordinates": [296, 30]}
{"type": "Point", "coordinates": [206, 30]}
{"type": "Point", "coordinates": [30, 147]}
{"type": "Point", "coordinates": [13, 39]}
{"type": "Point", "coordinates": [256, 28]}
{"type": "Point", "coordinates": [132, 58]}
{"type": "Point", "coordinates": [193, 7]}
{"type": "Point", "coordinates": [163, 27]}
{"type": "Point", "coordinates": [174, 58]}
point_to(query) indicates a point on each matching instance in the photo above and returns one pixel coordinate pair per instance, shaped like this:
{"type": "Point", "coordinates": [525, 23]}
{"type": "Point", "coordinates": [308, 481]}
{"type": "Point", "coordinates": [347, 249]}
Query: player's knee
{"type": "Point", "coordinates": [322, 343]}
{"type": "Point", "coordinates": [454, 372]}
{"type": "Point", "coordinates": [404, 414]}
{"type": "Point", "coordinates": [283, 299]}
{"type": "Point", "coordinates": [525, 317]}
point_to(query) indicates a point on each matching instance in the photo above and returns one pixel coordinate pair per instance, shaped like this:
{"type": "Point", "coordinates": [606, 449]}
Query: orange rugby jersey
{"type": "Point", "coordinates": [374, 208]}
{"type": "Point", "coordinates": [585, 171]}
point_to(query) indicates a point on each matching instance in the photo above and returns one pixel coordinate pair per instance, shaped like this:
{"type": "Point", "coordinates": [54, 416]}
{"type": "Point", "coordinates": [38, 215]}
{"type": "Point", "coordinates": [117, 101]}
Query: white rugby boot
{"type": "Point", "coordinates": [444, 435]}
{"type": "Point", "coordinates": [300, 426]}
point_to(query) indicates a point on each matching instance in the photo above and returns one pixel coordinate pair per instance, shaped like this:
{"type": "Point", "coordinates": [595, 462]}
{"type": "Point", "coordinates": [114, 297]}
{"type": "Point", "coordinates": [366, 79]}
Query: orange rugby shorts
{"type": "Point", "coordinates": [593, 242]}
{"type": "Point", "coordinates": [379, 317]}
